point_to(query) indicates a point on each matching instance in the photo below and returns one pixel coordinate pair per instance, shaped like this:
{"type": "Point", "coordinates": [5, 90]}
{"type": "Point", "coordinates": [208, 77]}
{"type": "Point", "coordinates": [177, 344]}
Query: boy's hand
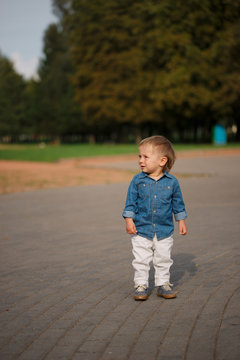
{"type": "Point", "coordinates": [182, 227]}
{"type": "Point", "coordinates": [130, 226]}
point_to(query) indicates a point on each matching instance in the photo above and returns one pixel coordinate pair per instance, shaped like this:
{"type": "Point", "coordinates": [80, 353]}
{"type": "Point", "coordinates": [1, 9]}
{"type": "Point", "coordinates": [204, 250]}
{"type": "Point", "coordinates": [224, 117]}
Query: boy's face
{"type": "Point", "coordinates": [151, 160]}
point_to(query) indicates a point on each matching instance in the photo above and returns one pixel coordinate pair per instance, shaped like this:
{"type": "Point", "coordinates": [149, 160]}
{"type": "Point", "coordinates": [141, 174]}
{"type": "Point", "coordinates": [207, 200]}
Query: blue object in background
{"type": "Point", "coordinates": [219, 135]}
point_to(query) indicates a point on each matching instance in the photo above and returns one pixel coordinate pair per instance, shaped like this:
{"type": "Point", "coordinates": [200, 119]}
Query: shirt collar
{"type": "Point", "coordinates": [144, 175]}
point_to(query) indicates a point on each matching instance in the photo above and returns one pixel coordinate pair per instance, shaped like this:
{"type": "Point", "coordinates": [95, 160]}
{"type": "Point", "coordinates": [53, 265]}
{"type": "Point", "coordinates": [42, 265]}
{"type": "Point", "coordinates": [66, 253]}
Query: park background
{"type": "Point", "coordinates": [111, 73]}
{"type": "Point", "coordinates": [117, 71]}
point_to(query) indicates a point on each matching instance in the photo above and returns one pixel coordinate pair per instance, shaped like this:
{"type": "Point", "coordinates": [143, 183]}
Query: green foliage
{"type": "Point", "coordinates": [58, 115]}
{"type": "Point", "coordinates": [116, 70]}
{"type": "Point", "coordinates": [163, 62]}
{"type": "Point", "coordinates": [12, 104]}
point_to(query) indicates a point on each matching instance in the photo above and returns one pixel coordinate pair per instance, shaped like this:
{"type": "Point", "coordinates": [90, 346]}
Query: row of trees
{"type": "Point", "coordinates": [120, 69]}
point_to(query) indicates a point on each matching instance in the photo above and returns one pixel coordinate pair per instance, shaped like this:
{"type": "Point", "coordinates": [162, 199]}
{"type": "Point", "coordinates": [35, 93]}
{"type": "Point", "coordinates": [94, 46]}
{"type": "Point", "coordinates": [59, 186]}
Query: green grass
{"type": "Point", "coordinates": [53, 153]}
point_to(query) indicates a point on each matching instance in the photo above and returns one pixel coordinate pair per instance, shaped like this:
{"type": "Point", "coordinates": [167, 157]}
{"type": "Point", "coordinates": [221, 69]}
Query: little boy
{"type": "Point", "coordinates": [153, 197]}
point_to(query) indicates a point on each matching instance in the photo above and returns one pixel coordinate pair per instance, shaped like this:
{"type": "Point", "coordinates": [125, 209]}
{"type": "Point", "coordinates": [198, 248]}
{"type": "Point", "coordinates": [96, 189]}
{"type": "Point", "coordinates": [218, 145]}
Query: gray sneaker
{"type": "Point", "coordinates": [166, 291]}
{"type": "Point", "coordinates": [141, 292]}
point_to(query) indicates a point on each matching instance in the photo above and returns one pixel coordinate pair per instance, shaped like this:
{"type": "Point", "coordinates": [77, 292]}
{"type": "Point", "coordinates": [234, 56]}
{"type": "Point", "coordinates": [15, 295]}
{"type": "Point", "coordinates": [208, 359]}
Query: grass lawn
{"type": "Point", "coordinates": [53, 153]}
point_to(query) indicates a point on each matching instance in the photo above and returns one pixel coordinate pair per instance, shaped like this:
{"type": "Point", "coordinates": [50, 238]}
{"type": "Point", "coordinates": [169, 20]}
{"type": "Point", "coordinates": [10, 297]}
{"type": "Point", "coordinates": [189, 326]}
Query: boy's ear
{"type": "Point", "coordinates": [163, 161]}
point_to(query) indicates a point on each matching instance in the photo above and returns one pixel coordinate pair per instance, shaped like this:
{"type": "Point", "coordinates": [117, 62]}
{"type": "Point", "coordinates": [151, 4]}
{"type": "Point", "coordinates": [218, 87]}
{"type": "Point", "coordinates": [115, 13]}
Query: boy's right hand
{"type": "Point", "coordinates": [130, 226]}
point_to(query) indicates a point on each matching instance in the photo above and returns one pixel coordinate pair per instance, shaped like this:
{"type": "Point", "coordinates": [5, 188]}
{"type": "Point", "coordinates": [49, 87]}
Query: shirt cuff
{"type": "Point", "coordinates": [128, 214]}
{"type": "Point", "coordinates": [180, 216]}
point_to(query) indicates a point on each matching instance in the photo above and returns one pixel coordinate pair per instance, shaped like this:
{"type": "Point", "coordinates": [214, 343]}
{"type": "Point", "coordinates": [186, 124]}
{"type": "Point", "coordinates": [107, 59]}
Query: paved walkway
{"type": "Point", "coordinates": [66, 277]}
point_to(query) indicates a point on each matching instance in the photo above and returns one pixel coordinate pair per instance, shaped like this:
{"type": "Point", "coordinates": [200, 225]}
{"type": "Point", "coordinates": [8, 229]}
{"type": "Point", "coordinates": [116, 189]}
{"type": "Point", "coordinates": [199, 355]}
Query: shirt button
{"type": "Point", "coordinates": [154, 210]}
{"type": "Point", "coordinates": [155, 196]}
{"type": "Point", "coordinates": [154, 224]}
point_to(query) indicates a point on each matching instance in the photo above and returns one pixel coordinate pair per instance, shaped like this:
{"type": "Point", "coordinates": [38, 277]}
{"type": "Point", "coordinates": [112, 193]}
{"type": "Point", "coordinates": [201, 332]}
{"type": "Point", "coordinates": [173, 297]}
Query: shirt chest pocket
{"type": "Point", "coordinates": [165, 192]}
{"type": "Point", "coordinates": [143, 190]}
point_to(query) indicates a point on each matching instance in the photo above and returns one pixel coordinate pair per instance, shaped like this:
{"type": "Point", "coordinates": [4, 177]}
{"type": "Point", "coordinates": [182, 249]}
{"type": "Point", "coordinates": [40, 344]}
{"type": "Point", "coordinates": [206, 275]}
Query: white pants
{"type": "Point", "coordinates": [145, 251]}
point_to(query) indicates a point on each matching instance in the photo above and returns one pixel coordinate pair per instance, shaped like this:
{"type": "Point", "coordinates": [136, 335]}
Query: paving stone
{"type": "Point", "coordinates": [67, 279]}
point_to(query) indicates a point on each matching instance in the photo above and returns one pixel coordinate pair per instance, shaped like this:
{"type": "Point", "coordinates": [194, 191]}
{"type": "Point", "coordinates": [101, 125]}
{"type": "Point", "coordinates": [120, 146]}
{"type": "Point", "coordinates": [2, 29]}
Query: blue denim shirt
{"type": "Point", "coordinates": [151, 204]}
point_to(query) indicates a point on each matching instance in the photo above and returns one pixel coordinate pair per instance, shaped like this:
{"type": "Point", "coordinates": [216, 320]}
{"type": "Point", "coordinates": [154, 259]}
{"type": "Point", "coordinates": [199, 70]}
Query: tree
{"type": "Point", "coordinates": [164, 63]}
{"type": "Point", "coordinates": [197, 71]}
{"type": "Point", "coordinates": [109, 80]}
{"type": "Point", "coordinates": [12, 100]}
{"type": "Point", "coordinates": [59, 116]}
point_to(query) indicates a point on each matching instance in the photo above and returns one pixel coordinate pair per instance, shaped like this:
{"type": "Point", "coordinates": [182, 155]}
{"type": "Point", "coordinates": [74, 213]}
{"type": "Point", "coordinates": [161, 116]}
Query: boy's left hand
{"type": "Point", "coordinates": [182, 227]}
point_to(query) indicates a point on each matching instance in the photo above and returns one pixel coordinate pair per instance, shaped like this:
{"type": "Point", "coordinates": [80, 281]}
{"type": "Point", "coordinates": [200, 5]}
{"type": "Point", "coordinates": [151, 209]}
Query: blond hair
{"type": "Point", "coordinates": [164, 146]}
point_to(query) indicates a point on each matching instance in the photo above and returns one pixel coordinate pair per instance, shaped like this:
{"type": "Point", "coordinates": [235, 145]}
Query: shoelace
{"type": "Point", "coordinates": [167, 286]}
{"type": "Point", "coordinates": [141, 288]}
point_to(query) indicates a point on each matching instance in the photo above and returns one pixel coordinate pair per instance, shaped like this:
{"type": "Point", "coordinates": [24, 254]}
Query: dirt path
{"type": "Point", "coordinates": [19, 176]}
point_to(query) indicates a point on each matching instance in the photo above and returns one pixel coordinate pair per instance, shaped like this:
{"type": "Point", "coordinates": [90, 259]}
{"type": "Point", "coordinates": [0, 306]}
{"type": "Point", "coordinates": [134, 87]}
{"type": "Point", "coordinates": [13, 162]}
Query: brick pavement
{"type": "Point", "coordinates": [66, 275]}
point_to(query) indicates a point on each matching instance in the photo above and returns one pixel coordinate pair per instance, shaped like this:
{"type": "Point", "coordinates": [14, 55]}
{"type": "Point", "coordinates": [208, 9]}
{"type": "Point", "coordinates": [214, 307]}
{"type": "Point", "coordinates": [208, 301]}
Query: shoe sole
{"type": "Point", "coordinates": [173, 296]}
{"type": "Point", "coordinates": [141, 297]}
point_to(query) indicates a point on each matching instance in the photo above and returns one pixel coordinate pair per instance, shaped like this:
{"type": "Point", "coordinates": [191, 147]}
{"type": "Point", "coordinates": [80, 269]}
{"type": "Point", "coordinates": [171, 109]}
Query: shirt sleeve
{"type": "Point", "coordinates": [178, 205]}
{"type": "Point", "coordinates": [130, 209]}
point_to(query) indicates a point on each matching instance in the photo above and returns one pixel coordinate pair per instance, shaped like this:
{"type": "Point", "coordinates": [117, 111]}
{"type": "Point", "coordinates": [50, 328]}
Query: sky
{"type": "Point", "coordinates": [22, 26]}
